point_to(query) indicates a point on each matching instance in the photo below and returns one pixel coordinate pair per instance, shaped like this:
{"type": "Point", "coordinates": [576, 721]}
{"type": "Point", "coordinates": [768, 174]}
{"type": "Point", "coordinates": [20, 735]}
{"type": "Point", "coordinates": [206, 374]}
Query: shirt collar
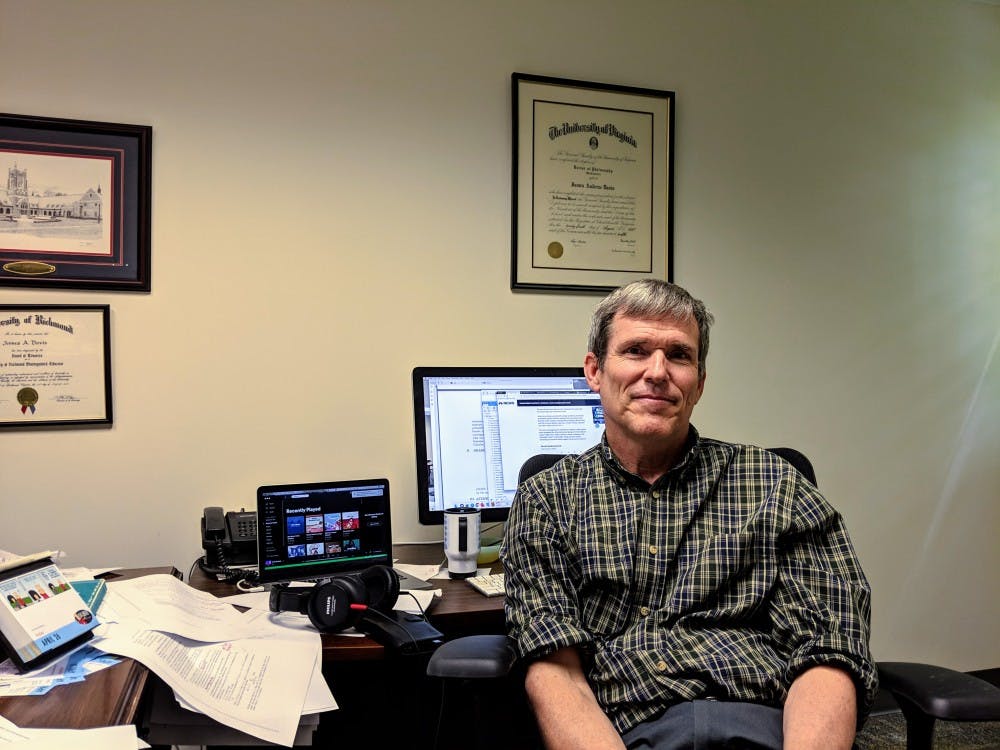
{"type": "Point", "coordinates": [623, 475]}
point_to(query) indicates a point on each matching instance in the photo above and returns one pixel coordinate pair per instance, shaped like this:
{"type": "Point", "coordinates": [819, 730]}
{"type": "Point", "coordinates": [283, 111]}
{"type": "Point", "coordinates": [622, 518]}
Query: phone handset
{"type": "Point", "coordinates": [214, 523]}
{"type": "Point", "coordinates": [229, 539]}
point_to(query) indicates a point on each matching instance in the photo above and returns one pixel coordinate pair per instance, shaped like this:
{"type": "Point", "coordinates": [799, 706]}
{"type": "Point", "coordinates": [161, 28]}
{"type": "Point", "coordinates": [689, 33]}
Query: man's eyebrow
{"type": "Point", "coordinates": [670, 346]}
{"type": "Point", "coordinates": [636, 341]}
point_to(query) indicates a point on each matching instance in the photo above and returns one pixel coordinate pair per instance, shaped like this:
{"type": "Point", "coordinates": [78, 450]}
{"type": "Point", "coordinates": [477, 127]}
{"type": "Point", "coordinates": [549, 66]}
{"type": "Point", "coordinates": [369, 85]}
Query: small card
{"type": "Point", "coordinates": [41, 615]}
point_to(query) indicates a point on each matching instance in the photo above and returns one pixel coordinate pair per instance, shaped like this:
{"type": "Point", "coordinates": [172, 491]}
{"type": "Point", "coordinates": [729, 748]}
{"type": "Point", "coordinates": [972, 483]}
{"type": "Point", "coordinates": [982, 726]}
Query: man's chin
{"type": "Point", "coordinates": [659, 428]}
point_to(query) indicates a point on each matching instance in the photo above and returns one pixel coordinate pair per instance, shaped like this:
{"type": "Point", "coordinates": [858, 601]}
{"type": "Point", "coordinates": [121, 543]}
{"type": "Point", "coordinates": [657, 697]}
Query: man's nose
{"type": "Point", "coordinates": [656, 367]}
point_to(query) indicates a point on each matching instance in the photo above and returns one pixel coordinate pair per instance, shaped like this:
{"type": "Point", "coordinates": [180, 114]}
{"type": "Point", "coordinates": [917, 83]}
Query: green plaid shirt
{"type": "Point", "coordinates": [725, 579]}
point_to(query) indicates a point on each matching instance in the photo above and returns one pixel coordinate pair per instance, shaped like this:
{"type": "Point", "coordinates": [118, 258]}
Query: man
{"type": "Point", "coordinates": [674, 591]}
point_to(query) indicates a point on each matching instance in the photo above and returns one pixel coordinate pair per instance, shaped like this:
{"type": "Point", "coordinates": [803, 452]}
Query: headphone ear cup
{"type": "Point", "coordinates": [329, 605]}
{"type": "Point", "coordinates": [382, 584]}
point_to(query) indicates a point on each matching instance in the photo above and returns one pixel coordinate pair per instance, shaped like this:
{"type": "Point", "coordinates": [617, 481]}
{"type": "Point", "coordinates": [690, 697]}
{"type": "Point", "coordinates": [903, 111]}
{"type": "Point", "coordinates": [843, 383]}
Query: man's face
{"type": "Point", "coordinates": [649, 383]}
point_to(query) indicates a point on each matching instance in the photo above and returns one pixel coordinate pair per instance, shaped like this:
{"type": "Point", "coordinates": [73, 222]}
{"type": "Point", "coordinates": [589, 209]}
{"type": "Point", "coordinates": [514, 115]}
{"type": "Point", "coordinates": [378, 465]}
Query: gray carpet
{"type": "Point", "coordinates": [888, 732]}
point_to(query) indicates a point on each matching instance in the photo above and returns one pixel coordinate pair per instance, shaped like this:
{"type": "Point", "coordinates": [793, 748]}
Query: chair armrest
{"type": "Point", "coordinates": [478, 657]}
{"type": "Point", "coordinates": [940, 692]}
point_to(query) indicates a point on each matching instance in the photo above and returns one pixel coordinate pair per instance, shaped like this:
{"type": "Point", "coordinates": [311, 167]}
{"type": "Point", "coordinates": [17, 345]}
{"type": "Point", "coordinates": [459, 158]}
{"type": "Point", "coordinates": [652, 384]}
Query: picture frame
{"type": "Point", "coordinates": [592, 184]}
{"type": "Point", "coordinates": [55, 366]}
{"type": "Point", "coordinates": [74, 204]}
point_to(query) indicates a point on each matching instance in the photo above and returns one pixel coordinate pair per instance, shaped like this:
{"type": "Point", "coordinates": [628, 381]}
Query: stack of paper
{"type": "Point", "coordinates": [247, 670]}
{"type": "Point", "coordinates": [105, 738]}
{"type": "Point", "coordinates": [74, 667]}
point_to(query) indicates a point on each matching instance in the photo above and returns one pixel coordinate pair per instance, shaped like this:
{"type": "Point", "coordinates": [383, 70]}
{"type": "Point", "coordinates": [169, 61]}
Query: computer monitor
{"type": "Point", "coordinates": [476, 426]}
{"type": "Point", "coordinates": [322, 529]}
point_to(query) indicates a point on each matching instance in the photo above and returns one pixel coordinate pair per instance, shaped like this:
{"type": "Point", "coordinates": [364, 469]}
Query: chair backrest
{"type": "Point", "coordinates": [537, 463]}
{"type": "Point", "coordinates": [799, 461]}
{"type": "Point", "coordinates": [543, 461]}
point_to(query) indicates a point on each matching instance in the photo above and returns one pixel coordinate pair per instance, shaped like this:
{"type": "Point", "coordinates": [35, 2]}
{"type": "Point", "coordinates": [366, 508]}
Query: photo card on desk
{"type": "Point", "coordinates": [43, 616]}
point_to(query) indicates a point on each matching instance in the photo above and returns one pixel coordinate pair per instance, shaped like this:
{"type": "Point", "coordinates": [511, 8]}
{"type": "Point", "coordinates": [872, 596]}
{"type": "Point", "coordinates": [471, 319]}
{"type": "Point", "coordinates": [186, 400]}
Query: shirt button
{"type": "Point", "coordinates": [661, 665]}
{"type": "Point", "coordinates": [652, 549]}
{"type": "Point", "coordinates": [644, 611]}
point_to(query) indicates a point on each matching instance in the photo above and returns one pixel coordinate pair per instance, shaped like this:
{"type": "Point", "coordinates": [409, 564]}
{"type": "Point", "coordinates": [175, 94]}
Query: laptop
{"type": "Point", "coordinates": [311, 532]}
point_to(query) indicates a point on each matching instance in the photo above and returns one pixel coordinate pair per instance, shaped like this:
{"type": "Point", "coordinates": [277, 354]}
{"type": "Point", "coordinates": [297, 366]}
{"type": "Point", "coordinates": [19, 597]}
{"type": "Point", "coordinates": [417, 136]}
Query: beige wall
{"type": "Point", "coordinates": [331, 206]}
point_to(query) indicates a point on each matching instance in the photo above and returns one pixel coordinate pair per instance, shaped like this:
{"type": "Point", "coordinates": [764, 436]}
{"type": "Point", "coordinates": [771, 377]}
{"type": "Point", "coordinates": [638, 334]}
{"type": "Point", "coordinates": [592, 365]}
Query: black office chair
{"type": "Point", "coordinates": [925, 693]}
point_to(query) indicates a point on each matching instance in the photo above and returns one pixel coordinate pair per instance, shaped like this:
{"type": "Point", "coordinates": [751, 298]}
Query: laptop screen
{"type": "Point", "coordinates": [309, 531]}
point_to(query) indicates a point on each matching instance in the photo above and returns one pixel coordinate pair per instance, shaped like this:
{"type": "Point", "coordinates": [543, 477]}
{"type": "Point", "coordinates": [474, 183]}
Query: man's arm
{"type": "Point", "coordinates": [568, 714]}
{"type": "Point", "coordinates": [821, 710]}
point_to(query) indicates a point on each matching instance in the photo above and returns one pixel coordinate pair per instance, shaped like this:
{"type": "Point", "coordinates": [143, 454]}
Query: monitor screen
{"type": "Point", "coordinates": [310, 531]}
{"type": "Point", "coordinates": [475, 427]}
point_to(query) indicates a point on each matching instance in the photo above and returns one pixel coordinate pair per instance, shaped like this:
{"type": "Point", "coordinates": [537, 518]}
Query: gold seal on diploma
{"type": "Point", "coordinates": [555, 249]}
{"type": "Point", "coordinates": [29, 268]}
{"type": "Point", "coordinates": [27, 398]}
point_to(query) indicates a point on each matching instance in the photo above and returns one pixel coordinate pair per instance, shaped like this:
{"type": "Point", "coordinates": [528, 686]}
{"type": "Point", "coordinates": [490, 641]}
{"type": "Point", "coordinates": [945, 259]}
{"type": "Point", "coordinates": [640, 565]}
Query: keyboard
{"type": "Point", "coordinates": [491, 585]}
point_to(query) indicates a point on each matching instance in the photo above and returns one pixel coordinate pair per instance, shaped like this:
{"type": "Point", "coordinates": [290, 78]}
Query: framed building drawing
{"type": "Point", "coordinates": [74, 204]}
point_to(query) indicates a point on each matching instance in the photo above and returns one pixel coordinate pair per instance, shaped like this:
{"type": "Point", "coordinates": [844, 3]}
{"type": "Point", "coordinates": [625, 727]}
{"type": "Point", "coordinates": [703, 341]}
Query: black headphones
{"type": "Point", "coordinates": [342, 601]}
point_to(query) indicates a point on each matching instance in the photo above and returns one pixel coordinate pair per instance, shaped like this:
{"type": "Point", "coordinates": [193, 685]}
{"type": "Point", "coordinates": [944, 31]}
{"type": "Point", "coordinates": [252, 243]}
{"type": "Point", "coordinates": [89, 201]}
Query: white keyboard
{"type": "Point", "coordinates": [491, 585]}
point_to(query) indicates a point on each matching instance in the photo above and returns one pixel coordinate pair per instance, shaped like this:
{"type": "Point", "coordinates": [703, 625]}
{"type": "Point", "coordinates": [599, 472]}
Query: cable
{"type": "Point", "coordinates": [417, 601]}
{"type": "Point", "coordinates": [222, 572]}
{"type": "Point", "coordinates": [440, 717]}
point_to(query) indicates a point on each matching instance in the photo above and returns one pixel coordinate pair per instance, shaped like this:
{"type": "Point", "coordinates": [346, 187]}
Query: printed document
{"type": "Point", "coordinates": [249, 671]}
{"type": "Point", "coordinates": [104, 738]}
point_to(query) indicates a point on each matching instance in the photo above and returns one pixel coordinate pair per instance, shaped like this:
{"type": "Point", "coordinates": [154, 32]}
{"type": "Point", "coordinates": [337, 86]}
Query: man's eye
{"type": "Point", "coordinates": [634, 351]}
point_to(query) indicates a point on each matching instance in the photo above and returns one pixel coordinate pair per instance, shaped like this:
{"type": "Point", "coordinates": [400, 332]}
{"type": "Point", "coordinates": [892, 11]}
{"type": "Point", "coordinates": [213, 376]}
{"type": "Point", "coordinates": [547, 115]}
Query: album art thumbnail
{"type": "Point", "coordinates": [352, 545]}
{"type": "Point", "coordinates": [297, 550]}
{"type": "Point", "coordinates": [295, 525]}
{"type": "Point", "coordinates": [332, 522]}
{"type": "Point", "coordinates": [351, 520]}
{"type": "Point", "coordinates": [333, 548]}
{"type": "Point", "coordinates": [314, 524]}
{"type": "Point", "coordinates": [314, 549]}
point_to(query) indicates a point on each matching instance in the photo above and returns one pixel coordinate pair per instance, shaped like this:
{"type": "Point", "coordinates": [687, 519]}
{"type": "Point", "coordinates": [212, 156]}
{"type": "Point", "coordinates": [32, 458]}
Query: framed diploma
{"type": "Point", "coordinates": [55, 366]}
{"type": "Point", "coordinates": [592, 184]}
{"type": "Point", "coordinates": [75, 211]}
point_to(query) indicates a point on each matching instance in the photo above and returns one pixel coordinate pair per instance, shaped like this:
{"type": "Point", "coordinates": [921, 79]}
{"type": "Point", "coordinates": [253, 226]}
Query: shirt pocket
{"type": "Point", "coordinates": [727, 572]}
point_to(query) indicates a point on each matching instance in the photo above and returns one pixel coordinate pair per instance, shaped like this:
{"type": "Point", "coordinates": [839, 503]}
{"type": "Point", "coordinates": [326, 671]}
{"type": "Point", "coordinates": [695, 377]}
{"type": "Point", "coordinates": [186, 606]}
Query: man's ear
{"type": "Point", "coordinates": [592, 371]}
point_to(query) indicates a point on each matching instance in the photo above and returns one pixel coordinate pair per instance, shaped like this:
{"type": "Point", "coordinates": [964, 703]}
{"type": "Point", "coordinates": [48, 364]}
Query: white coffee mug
{"type": "Point", "coordinates": [461, 541]}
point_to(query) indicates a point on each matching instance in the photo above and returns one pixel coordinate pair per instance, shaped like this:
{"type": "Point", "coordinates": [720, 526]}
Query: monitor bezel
{"type": "Point", "coordinates": [430, 517]}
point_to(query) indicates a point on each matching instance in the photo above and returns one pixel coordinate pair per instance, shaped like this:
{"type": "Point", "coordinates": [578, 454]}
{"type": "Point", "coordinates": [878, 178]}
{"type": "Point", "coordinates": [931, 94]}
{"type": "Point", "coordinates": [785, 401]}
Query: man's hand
{"type": "Point", "coordinates": [567, 712]}
{"type": "Point", "coordinates": [821, 710]}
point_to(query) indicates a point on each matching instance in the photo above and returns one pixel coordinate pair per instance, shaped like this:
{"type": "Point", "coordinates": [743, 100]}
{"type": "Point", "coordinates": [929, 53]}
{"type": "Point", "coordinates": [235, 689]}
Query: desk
{"type": "Point", "coordinates": [460, 610]}
{"type": "Point", "coordinates": [367, 681]}
{"type": "Point", "coordinates": [385, 699]}
{"type": "Point", "coordinates": [106, 698]}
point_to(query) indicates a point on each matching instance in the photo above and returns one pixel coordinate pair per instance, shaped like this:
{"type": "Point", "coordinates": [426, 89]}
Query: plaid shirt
{"type": "Point", "coordinates": [725, 579]}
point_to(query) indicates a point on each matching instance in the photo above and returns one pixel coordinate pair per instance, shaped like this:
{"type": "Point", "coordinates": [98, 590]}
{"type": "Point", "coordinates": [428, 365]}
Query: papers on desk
{"type": "Point", "coordinates": [104, 738]}
{"type": "Point", "coordinates": [251, 671]}
{"type": "Point", "coordinates": [423, 572]}
{"type": "Point", "coordinates": [73, 667]}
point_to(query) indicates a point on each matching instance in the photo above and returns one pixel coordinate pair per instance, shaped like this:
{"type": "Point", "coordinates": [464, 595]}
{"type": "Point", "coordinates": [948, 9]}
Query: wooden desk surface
{"type": "Point", "coordinates": [460, 610]}
{"type": "Point", "coordinates": [105, 698]}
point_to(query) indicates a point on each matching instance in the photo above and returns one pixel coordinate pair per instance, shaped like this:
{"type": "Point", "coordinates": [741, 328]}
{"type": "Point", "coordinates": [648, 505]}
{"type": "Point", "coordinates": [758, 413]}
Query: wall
{"type": "Point", "coordinates": [331, 207]}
